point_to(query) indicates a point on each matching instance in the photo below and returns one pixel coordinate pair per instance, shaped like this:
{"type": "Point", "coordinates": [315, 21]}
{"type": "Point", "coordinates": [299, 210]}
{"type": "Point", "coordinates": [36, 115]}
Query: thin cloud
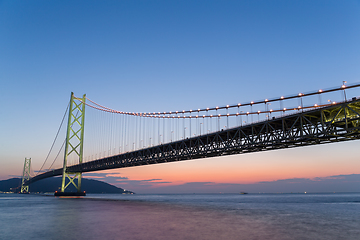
{"type": "Point", "coordinates": [96, 177]}
{"type": "Point", "coordinates": [152, 180]}
{"type": "Point", "coordinates": [115, 175]}
{"type": "Point", "coordinates": [146, 181]}
{"type": "Point", "coordinates": [15, 176]}
{"type": "Point", "coordinates": [107, 175]}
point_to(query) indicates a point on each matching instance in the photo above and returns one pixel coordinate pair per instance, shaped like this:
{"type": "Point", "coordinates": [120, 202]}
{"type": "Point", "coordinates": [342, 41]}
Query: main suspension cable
{"type": "Point", "coordinates": [282, 98]}
{"type": "Point", "coordinates": [62, 146]}
{"type": "Point", "coordinates": [174, 114]}
{"type": "Point", "coordinates": [57, 134]}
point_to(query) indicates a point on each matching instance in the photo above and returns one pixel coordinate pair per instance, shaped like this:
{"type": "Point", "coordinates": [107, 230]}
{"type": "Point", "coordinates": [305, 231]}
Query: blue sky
{"type": "Point", "coordinates": [165, 55]}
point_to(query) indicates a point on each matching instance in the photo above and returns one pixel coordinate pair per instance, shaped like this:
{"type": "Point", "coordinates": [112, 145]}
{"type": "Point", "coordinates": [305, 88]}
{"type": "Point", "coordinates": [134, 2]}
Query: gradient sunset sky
{"type": "Point", "coordinates": [145, 56]}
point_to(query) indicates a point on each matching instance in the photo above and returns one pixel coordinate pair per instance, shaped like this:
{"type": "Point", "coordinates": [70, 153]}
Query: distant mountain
{"type": "Point", "coordinates": [53, 184]}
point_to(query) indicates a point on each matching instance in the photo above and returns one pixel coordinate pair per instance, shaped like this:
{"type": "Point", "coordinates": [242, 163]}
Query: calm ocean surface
{"type": "Point", "coordinates": [187, 216]}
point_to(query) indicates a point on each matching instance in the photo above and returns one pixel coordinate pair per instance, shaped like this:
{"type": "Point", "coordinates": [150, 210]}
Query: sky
{"type": "Point", "coordinates": [145, 56]}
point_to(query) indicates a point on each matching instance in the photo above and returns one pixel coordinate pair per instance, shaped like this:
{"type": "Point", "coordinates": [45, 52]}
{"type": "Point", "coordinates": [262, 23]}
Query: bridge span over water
{"type": "Point", "coordinates": [160, 137]}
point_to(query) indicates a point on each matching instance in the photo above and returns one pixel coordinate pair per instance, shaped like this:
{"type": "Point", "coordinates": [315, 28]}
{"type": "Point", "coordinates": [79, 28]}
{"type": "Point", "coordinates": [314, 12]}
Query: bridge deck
{"type": "Point", "coordinates": [338, 122]}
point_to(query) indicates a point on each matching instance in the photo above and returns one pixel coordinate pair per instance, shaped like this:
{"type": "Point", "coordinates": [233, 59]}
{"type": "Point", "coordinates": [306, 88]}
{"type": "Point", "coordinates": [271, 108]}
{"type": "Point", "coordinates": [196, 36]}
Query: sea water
{"type": "Point", "coordinates": [181, 216]}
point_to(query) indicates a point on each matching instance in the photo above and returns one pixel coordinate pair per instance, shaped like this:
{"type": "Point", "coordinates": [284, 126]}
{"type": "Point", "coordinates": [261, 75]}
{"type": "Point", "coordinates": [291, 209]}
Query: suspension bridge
{"type": "Point", "coordinates": [117, 139]}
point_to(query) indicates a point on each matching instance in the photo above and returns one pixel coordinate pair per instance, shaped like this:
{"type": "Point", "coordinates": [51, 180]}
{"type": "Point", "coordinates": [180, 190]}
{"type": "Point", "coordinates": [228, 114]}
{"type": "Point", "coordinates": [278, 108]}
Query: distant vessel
{"type": "Point", "coordinates": [243, 193]}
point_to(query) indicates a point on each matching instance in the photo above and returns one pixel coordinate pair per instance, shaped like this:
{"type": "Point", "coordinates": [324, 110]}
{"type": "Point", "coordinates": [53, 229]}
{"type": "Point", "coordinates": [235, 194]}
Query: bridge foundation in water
{"type": "Point", "coordinates": [69, 194]}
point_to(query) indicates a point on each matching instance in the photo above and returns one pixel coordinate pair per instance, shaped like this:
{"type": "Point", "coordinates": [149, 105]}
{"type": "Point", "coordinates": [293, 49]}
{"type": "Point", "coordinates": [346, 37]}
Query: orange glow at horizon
{"type": "Point", "coordinates": [305, 162]}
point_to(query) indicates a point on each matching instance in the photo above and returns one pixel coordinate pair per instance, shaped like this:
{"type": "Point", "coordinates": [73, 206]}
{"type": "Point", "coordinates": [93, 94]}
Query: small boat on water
{"type": "Point", "coordinates": [243, 193]}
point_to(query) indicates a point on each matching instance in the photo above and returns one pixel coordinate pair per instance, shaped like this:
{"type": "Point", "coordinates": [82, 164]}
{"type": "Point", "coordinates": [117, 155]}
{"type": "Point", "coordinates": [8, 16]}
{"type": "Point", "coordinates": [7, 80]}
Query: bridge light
{"type": "Point", "coordinates": [170, 112]}
{"type": "Point", "coordinates": [320, 91]}
{"type": "Point", "coordinates": [217, 107]}
{"type": "Point", "coordinates": [237, 113]}
{"type": "Point", "coordinates": [315, 105]}
{"type": "Point", "coordinates": [333, 102]}
{"type": "Point", "coordinates": [227, 106]}
{"type": "Point", "coordinates": [252, 102]}
{"type": "Point", "coordinates": [282, 97]}
{"type": "Point", "coordinates": [266, 100]}
{"type": "Point", "coordinates": [239, 104]}
{"type": "Point", "coordinates": [258, 111]}
{"type": "Point", "coordinates": [183, 111]}
{"type": "Point", "coordinates": [284, 109]}
{"type": "Point", "coordinates": [211, 115]}
{"type": "Point", "coordinates": [299, 106]}
{"type": "Point", "coordinates": [271, 110]}
{"type": "Point", "coordinates": [197, 116]}
{"type": "Point", "coordinates": [203, 116]}
{"type": "Point", "coordinates": [219, 115]}
{"type": "Point", "coordinates": [177, 112]}
{"type": "Point", "coordinates": [247, 113]}
{"type": "Point", "coordinates": [343, 86]}
{"type": "Point", "coordinates": [207, 108]}
{"type": "Point", "coordinates": [178, 116]}
{"type": "Point", "coordinates": [198, 109]}
{"type": "Point", "coordinates": [300, 94]}
{"type": "Point", "coordinates": [228, 114]}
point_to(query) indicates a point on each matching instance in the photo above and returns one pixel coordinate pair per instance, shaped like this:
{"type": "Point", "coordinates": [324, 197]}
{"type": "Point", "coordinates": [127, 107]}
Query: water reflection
{"type": "Point", "coordinates": [181, 217]}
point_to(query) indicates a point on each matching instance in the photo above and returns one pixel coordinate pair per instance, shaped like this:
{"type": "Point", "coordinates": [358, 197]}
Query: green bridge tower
{"type": "Point", "coordinates": [25, 176]}
{"type": "Point", "coordinates": [73, 147]}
